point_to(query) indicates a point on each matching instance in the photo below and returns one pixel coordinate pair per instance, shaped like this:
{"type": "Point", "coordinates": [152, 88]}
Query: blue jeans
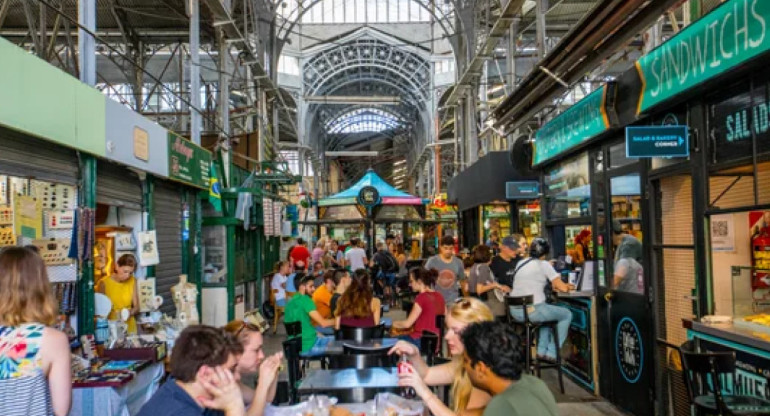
{"type": "Point", "coordinates": [547, 312]}
{"type": "Point", "coordinates": [329, 330]}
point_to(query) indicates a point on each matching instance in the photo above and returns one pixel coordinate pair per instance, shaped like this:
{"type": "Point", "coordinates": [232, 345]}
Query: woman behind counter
{"type": "Point", "coordinates": [121, 288]}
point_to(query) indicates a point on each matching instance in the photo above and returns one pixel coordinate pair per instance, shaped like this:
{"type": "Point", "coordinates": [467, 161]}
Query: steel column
{"type": "Point", "coordinates": [86, 43]}
{"type": "Point", "coordinates": [195, 72]}
{"type": "Point", "coordinates": [540, 8]}
{"type": "Point", "coordinates": [87, 199]}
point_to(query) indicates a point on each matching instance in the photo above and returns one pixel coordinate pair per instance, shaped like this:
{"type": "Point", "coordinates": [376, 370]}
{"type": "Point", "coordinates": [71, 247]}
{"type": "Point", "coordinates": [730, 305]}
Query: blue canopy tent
{"type": "Point", "coordinates": [388, 194]}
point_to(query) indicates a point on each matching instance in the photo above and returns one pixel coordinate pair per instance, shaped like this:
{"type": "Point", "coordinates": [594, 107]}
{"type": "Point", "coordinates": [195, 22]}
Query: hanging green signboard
{"type": "Point", "coordinates": [188, 162]}
{"type": "Point", "coordinates": [731, 34]}
{"type": "Point", "coordinates": [581, 122]}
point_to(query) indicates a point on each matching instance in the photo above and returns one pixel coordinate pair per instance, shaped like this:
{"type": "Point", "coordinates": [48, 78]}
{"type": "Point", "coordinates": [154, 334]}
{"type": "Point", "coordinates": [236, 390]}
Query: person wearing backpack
{"type": "Point", "coordinates": [385, 268]}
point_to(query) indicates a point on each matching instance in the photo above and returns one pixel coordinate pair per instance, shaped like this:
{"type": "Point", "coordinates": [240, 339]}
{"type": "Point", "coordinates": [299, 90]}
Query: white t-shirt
{"type": "Point", "coordinates": [531, 278]}
{"type": "Point", "coordinates": [278, 281]}
{"type": "Point", "coordinates": [356, 257]}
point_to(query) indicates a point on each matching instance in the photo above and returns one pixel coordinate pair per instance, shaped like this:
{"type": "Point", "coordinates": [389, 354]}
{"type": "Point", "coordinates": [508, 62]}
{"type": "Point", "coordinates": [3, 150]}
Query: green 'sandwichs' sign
{"type": "Point", "coordinates": [578, 124]}
{"type": "Point", "coordinates": [731, 34]}
{"type": "Point", "coordinates": [188, 162]}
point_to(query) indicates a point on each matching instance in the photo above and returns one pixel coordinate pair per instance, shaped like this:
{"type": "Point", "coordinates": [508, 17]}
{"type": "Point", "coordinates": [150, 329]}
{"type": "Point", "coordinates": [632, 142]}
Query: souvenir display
{"type": "Point", "coordinates": [54, 251]}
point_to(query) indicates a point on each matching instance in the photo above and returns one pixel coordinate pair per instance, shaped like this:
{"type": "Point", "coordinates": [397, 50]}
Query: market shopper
{"type": "Point", "coordinates": [358, 307]}
{"type": "Point", "coordinates": [628, 273]}
{"type": "Point", "coordinates": [342, 281]}
{"type": "Point", "coordinates": [512, 249]}
{"type": "Point", "coordinates": [494, 363]}
{"type": "Point", "coordinates": [427, 305]}
{"type": "Point", "coordinates": [203, 376]}
{"type": "Point", "coordinates": [465, 398]}
{"type": "Point", "coordinates": [300, 256]}
{"type": "Point", "coordinates": [319, 250]}
{"type": "Point", "coordinates": [480, 279]}
{"type": "Point", "coordinates": [302, 309]}
{"type": "Point", "coordinates": [355, 256]}
{"type": "Point", "coordinates": [322, 296]}
{"type": "Point", "coordinates": [385, 268]}
{"type": "Point", "coordinates": [253, 363]}
{"type": "Point", "coordinates": [35, 375]}
{"type": "Point", "coordinates": [531, 278]}
{"type": "Point", "coordinates": [335, 256]}
{"type": "Point", "coordinates": [450, 270]}
{"type": "Point", "coordinates": [121, 287]}
{"type": "Point", "coordinates": [279, 281]}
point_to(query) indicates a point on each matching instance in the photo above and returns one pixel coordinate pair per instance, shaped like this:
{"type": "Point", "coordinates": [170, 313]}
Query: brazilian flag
{"type": "Point", "coordinates": [215, 197]}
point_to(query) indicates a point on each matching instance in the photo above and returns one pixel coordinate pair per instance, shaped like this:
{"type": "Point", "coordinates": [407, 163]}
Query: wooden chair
{"type": "Point", "coordinates": [279, 310]}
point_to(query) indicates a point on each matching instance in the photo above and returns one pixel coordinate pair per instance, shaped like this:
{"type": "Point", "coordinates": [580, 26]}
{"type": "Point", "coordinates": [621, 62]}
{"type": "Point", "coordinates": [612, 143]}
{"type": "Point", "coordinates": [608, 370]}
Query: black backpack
{"type": "Point", "coordinates": [386, 261]}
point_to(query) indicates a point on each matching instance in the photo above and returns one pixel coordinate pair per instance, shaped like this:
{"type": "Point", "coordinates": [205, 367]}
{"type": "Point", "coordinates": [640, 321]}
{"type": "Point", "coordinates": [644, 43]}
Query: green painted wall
{"type": "Point", "coordinates": [41, 100]}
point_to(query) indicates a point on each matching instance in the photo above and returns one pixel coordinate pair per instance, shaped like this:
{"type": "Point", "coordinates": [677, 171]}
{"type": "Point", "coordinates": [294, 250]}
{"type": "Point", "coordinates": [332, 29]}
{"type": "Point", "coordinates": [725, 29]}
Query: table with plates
{"type": "Point", "coordinates": [125, 400]}
{"type": "Point", "coordinates": [350, 385]}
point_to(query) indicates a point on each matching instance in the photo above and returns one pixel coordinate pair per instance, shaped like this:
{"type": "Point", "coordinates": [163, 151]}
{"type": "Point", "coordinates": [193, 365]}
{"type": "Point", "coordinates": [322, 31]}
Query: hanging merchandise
{"type": "Point", "coordinates": [60, 219]}
{"type": "Point", "coordinates": [3, 189]}
{"type": "Point", "coordinates": [268, 216]}
{"type": "Point", "coordinates": [28, 217]}
{"type": "Point", "coordinates": [245, 202]}
{"type": "Point", "coordinates": [148, 248]}
{"type": "Point", "coordinates": [82, 235]}
{"type": "Point", "coordinates": [54, 251]}
{"type": "Point", "coordinates": [277, 222]}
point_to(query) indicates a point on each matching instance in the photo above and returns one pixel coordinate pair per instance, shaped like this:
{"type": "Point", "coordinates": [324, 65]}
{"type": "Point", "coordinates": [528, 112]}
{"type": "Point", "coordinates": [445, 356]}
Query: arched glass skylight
{"type": "Point", "coordinates": [362, 11]}
{"type": "Point", "coordinates": [360, 120]}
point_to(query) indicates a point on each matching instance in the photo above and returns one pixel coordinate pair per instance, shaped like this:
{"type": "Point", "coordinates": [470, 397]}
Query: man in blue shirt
{"type": "Point", "coordinates": [202, 379]}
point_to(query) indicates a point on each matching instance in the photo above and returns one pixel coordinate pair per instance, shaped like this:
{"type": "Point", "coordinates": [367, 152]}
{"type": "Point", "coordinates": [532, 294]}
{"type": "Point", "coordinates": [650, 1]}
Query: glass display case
{"type": "Point", "coordinates": [751, 305]}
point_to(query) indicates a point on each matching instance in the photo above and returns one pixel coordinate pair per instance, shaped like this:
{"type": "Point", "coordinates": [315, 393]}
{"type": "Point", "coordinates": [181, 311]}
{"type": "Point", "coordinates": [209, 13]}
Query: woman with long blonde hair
{"type": "Point", "coordinates": [35, 374]}
{"type": "Point", "coordinates": [466, 400]}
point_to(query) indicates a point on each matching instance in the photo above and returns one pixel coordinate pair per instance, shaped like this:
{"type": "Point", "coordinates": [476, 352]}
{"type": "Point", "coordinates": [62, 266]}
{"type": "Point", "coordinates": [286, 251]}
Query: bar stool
{"type": "Point", "coordinates": [531, 332]}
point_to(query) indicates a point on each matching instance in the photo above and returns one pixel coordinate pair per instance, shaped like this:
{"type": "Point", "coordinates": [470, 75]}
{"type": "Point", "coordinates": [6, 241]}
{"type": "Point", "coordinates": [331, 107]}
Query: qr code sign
{"type": "Point", "coordinates": [719, 228]}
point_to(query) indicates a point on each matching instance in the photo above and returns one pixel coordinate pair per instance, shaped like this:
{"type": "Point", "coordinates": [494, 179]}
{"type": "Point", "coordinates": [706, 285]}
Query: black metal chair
{"type": "Point", "coordinates": [531, 332]}
{"type": "Point", "coordinates": [293, 329]}
{"type": "Point", "coordinates": [353, 333]}
{"type": "Point", "coordinates": [440, 324]}
{"type": "Point", "coordinates": [707, 375]}
{"type": "Point", "coordinates": [428, 345]}
{"type": "Point", "coordinates": [353, 349]}
{"type": "Point", "coordinates": [291, 350]}
{"type": "Point", "coordinates": [360, 361]}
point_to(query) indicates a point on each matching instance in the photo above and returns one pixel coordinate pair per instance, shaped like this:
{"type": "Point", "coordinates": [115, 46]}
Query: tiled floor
{"type": "Point", "coordinates": [575, 401]}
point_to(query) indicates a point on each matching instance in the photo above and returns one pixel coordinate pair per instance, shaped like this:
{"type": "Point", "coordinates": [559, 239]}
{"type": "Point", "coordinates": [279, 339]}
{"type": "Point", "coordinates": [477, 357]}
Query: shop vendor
{"type": "Point", "coordinates": [121, 288]}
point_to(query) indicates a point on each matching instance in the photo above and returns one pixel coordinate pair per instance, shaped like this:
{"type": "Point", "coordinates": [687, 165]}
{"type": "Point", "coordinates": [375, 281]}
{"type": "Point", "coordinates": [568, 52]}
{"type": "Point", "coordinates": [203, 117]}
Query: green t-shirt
{"type": "Point", "coordinates": [527, 397]}
{"type": "Point", "coordinates": [298, 309]}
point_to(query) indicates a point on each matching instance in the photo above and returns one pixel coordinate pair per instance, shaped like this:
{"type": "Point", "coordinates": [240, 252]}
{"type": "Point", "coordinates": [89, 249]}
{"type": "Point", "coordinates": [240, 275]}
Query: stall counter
{"type": "Point", "coordinates": [581, 365]}
{"type": "Point", "coordinates": [125, 400]}
{"type": "Point", "coordinates": [752, 352]}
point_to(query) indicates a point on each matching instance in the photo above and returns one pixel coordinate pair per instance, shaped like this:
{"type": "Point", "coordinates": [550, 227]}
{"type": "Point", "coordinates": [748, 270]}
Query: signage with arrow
{"type": "Point", "coordinates": [657, 141]}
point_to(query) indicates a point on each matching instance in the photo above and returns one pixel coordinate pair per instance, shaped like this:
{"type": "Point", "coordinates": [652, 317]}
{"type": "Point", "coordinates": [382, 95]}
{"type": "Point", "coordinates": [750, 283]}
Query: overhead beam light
{"type": "Point", "coordinates": [399, 162]}
{"type": "Point", "coordinates": [353, 99]}
{"type": "Point", "coordinates": [352, 153]}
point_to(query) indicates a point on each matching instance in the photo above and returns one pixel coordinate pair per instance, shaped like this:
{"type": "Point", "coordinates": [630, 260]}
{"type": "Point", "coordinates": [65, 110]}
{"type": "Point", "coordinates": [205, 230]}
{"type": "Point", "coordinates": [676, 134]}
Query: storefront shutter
{"type": "Point", "coordinates": [118, 186]}
{"type": "Point", "coordinates": [28, 157]}
{"type": "Point", "coordinates": [168, 226]}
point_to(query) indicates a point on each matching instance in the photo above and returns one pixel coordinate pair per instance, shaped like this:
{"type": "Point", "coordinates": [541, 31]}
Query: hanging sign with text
{"type": "Point", "coordinates": [731, 34]}
{"type": "Point", "coordinates": [657, 141]}
{"type": "Point", "coordinates": [188, 162]}
{"type": "Point", "coordinates": [584, 120]}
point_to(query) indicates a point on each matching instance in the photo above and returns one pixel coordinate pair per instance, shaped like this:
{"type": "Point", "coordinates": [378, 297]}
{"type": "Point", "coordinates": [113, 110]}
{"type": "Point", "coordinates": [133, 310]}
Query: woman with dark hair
{"type": "Point", "coordinates": [427, 305]}
{"type": "Point", "coordinates": [480, 280]}
{"type": "Point", "coordinates": [531, 277]}
{"type": "Point", "coordinates": [582, 252]}
{"type": "Point", "coordinates": [358, 307]}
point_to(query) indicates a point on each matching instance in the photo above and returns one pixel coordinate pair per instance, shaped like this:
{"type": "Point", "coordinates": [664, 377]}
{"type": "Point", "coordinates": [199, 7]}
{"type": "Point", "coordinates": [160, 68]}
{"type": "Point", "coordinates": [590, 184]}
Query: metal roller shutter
{"type": "Point", "coordinates": [118, 186]}
{"type": "Point", "coordinates": [28, 157]}
{"type": "Point", "coordinates": [168, 226]}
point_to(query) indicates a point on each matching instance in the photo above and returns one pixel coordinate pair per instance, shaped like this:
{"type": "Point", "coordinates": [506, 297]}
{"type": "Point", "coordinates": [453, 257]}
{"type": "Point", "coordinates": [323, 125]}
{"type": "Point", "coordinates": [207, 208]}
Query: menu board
{"type": "Point", "coordinates": [188, 162]}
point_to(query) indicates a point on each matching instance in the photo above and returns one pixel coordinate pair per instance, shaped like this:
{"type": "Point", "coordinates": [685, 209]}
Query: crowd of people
{"type": "Point", "coordinates": [225, 371]}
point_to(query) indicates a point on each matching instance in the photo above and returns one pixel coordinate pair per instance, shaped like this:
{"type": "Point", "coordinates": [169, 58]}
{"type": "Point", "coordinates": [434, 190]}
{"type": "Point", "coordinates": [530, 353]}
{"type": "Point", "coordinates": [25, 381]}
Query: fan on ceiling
{"type": "Point", "coordinates": [521, 156]}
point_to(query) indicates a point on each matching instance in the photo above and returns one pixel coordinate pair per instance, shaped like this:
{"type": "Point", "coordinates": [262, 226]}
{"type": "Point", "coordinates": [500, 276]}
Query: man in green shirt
{"type": "Point", "coordinates": [494, 363]}
{"type": "Point", "coordinates": [301, 308]}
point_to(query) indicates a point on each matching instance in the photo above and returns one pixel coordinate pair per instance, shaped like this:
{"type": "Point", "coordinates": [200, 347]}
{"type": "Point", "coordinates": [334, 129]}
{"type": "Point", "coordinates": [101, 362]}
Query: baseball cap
{"type": "Point", "coordinates": [510, 242]}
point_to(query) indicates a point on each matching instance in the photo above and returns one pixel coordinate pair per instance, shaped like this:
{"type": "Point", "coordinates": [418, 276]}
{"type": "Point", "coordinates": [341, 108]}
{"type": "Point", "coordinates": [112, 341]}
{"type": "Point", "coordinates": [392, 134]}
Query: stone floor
{"type": "Point", "coordinates": [575, 401]}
